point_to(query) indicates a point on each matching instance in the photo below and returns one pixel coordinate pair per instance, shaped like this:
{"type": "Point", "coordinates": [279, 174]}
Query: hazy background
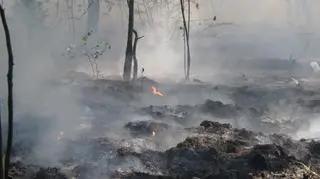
{"type": "Point", "coordinates": [254, 30]}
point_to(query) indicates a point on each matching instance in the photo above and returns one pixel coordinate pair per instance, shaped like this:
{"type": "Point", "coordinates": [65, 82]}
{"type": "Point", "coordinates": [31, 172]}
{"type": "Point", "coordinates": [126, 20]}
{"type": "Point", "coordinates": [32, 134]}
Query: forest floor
{"type": "Point", "coordinates": [252, 129]}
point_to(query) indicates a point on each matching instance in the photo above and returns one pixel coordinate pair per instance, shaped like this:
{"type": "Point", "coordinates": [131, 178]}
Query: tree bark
{"type": "Point", "coordinates": [93, 15]}
{"type": "Point", "coordinates": [186, 31]}
{"type": "Point", "coordinates": [128, 58]}
{"type": "Point", "coordinates": [10, 93]}
{"type": "Point", "coordinates": [135, 60]}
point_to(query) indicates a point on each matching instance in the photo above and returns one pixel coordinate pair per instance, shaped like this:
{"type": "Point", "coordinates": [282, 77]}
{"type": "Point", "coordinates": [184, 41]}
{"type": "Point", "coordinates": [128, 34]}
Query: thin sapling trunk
{"type": "Point", "coordinates": [10, 92]}
{"type": "Point", "coordinates": [188, 44]}
{"type": "Point", "coordinates": [186, 31]}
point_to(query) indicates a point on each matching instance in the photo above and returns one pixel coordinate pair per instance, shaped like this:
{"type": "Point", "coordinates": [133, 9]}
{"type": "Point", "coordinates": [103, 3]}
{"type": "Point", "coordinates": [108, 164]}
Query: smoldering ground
{"type": "Point", "coordinates": [71, 124]}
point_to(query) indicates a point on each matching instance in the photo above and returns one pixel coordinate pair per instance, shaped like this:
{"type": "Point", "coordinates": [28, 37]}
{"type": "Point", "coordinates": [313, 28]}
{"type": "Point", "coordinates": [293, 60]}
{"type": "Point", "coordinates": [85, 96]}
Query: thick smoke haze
{"type": "Point", "coordinates": [244, 30]}
{"type": "Point", "coordinates": [274, 29]}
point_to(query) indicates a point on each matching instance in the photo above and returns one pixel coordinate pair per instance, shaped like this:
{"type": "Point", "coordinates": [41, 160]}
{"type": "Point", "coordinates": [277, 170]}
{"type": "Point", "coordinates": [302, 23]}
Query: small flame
{"type": "Point", "coordinates": [156, 92]}
{"type": "Point", "coordinates": [153, 133]}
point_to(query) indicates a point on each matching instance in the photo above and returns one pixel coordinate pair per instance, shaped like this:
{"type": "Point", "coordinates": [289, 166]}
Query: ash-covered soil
{"type": "Point", "coordinates": [195, 130]}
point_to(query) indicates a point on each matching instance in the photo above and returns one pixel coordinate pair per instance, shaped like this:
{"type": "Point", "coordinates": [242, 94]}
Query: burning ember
{"type": "Point", "coordinates": [156, 92]}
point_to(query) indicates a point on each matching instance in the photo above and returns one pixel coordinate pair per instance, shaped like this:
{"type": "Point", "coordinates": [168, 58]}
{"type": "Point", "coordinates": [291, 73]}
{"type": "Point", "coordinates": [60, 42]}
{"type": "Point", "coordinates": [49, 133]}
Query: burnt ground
{"type": "Point", "coordinates": [195, 131]}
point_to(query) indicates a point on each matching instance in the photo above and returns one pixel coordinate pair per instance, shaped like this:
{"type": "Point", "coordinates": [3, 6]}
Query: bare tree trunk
{"type": "Point", "coordinates": [10, 93]}
{"type": "Point", "coordinates": [189, 9]}
{"type": "Point", "coordinates": [188, 44]}
{"type": "Point", "coordinates": [135, 60]}
{"type": "Point", "coordinates": [187, 39]}
{"type": "Point", "coordinates": [184, 54]}
{"type": "Point", "coordinates": [128, 58]}
{"type": "Point", "coordinates": [93, 15]}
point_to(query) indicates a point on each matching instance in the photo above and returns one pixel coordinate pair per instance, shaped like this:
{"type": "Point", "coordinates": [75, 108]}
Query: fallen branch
{"type": "Point", "coordinates": [10, 94]}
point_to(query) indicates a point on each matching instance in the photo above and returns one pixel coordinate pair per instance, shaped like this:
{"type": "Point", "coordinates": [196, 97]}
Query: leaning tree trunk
{"type": "Point", "coordinates": [93, 15]}
{"type": "Point", "coordinates": [10, 93]}
{"type": "Point", "coordinates": [128, 58]}
{"type": "Point", "coordinates": [186, 32]}
{"type": "Point", "coordinates": [135, 60]}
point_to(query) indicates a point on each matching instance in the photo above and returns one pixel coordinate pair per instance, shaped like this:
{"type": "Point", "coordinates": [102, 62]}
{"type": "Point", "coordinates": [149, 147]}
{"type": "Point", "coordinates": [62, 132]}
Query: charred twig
{"type": "Point", "coordinates": [10, 93]}
{"type": "Point", "coordinates": [142, 77]}
{"type": "Point", "coordinates": [135, 60]}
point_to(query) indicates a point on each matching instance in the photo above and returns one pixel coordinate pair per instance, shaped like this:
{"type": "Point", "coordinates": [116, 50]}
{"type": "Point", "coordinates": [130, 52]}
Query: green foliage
{"type": "Point", "coordinates": [89, 50]}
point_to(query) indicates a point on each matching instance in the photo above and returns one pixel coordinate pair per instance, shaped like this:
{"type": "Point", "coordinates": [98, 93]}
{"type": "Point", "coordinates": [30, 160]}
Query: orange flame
{"type": "Point", "coordinates": [156, 92]}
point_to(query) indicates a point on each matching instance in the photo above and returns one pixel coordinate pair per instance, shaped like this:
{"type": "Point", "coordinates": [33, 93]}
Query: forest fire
{"type": "Point", "coordinates": [223, 101]}
{"type": "Point", "coordinates": [156, 92]}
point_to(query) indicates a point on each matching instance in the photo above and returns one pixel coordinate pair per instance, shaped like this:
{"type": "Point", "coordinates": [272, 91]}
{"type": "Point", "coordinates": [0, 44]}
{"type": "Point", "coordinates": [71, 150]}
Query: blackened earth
{"type": "Point", "coordinates": [139, 135]}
